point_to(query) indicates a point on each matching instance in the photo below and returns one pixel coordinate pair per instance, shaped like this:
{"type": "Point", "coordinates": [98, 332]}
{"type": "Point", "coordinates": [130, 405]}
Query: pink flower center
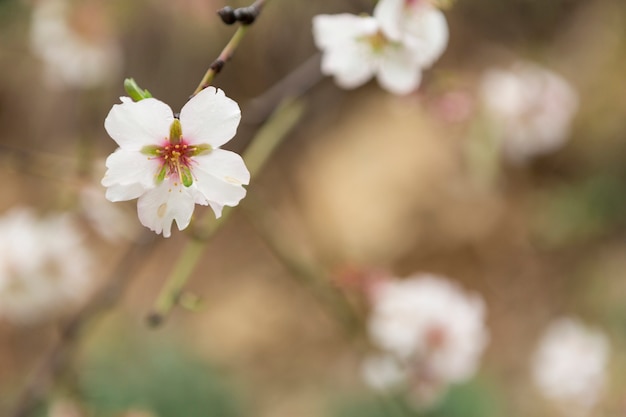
{"type": "Point", "coordinates": [176, 158]}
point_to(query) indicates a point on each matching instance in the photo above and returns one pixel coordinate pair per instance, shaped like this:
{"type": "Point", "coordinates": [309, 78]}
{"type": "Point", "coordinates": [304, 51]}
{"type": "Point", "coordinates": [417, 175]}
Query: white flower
{"type": "Point", "coordinates": [394, 45]}
{"type": "Point", "coordinates": [569, 365]}
{"type": "Point", "coordinates": [70, 58]}
{"type": "Point", "coordinates": [431, 326]}
{"type": "Point", "coordinates": [416, 23]}
{"type": "Point", "coordinates": [172, 164]}
{"type": "Point", "coordinates": [44, 266]}
{"type": "Point", "coordinates": [531, 109]}
{"type": "Point", "coordinates": [355, 50]}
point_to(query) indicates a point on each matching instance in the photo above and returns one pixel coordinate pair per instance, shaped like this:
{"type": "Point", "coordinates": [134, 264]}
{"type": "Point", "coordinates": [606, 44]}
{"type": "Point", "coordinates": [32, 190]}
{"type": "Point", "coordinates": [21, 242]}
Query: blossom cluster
{"type": "Point", "coordinates": [430, 333]}
{"type": "Point", "coordinates": [402, 38]}
{"type": "Point", "coordinates": [173, 163]}
{"type": "Point", "coordinates": [44, 267]}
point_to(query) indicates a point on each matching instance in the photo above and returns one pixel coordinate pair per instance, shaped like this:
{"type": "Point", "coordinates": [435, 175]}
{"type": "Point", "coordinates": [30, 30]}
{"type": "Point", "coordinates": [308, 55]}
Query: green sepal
{"type": "Point", "coordinates": [201, 149]}
{"type": "Point", "coordinates": [185, 176]}
{"type": "Point", "coordinates": [176, 132]}
{"type": "Point", "coordinates": [161, 176]}
{"type": "Point", "coordinates": [151, 150]}
{"type": "Point", "coordinates": [134, 91]}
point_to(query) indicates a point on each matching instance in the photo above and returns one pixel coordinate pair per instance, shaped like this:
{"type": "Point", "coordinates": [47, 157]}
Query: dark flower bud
{"type": "Point", "coordinates": [228, 15]}
{"type": "Point", "coordinates": [246, 15]}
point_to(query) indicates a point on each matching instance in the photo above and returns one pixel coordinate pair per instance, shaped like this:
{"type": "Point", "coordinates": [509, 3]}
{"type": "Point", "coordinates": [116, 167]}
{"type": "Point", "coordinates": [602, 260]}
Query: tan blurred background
{"type": "Point", "coordinates": [364, 180]}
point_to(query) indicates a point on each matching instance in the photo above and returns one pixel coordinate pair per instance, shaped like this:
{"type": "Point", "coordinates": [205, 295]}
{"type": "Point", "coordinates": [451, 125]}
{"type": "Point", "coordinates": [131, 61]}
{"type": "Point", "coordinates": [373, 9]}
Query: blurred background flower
{"type": "Point", "coordinates": [44, 268]}
{"type": "Point", "coordinates": [432, 332]}
{"type": "Point", "coordinates": [531, 109]}
{"type": "Point", "coordinates": [365, 178]}
{"type": "Point", "coordinates": [73, 42]}
{"type": "Point", "coordinates": [570, 365]}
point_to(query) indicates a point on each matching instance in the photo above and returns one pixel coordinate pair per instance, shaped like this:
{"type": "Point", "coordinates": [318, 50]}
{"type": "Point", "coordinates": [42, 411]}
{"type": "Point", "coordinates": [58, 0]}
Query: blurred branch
{"type": "Point", "coordinates": [53, 362]}
{"type": "Point", "coordinates": [268, 226]}
{"type": "Point", "coordinates": [258, 153]}
{"type": "Point", "coordinates": [294, 84]}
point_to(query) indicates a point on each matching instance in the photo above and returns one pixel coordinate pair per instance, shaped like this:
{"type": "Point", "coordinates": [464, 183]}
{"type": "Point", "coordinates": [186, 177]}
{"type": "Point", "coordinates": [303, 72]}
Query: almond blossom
{"type": "Point", "coordinates": [569, 365]}
{"type": "Point", "coordinates": [430, 332]}
{"type": "Point", "coordinates": [44, 266]}
{"type": "Point", "coordinates": [394, 45]}
{"type": "Point", "coordinates": [530, 109]}
{"type": "Point", "coordinates": [416, 23]}
{"type": "Point", "coordinates": [170, 164]}
{"type": "Point", "coordinates": [72, 58]}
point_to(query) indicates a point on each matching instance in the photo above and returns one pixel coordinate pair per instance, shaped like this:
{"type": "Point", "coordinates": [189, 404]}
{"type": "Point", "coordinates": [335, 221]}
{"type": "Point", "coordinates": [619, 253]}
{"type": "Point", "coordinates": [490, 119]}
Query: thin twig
{"type": "Point", "coordinates": [267, 226]}
{"type": "Point", "coordinates": [265, 142]}
{"type": "Point", "coordinates": [228, 51]}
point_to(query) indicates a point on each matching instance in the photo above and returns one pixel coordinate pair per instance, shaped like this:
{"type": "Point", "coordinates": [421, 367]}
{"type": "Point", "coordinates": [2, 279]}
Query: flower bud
{"type": "Point", "coordinates": [134, 91]}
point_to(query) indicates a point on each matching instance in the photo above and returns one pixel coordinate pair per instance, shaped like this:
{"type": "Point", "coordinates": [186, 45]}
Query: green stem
{"type": "Point", "coordinates": [173, 288]}
{"type": "Point", "coordinates": [268, 227]}
{"type": "Point", "coordinates": [221, 60]}
{"type": "Point", "coordinates": [264, 143]}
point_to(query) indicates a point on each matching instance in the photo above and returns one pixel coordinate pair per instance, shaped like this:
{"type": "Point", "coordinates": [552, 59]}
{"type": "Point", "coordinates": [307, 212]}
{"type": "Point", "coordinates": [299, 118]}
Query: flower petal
{"type": "Point", "coordinates": [221, 183]}
{"type": "Point", "coordinates": [426, 33]}
{"type": "Point", "coordinates": [390, 14]}
{"type": "Point", "coordinates": [134, 125]}
{"type": "Point", "coordinates": [225, 165]}
{"type": "Point", "coordinates": [210, 117]}
{"type": "Point", "coordinates": [159, 207]}
{"type": "Point", "coordinates": [352, 65]}
{"type": "Point", "coordinates": [332, 30]}
{"type": "Point", "coordinates": [118, 192]}
{"type": "Point", "coordinates": [398, 72]}
{"type": "Point", "coordinates": [130, 167]}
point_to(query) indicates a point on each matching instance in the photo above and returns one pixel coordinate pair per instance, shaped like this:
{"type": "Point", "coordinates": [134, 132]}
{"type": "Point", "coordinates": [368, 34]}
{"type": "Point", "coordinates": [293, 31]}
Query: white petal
{"type": "Point", "coordinates": [221, 183]}
{"type": "Point", "coordinates": [116, 193]}
{"type": "Point", "coordinates": [134, 125]}
{"type": "Point", "coordinates": [210, 117]}
{"type": "Point", "coordinates": [332, 30]}
{"type": "Point", "coordinates": [225, 165]}
{"type": "Point", "coordinates": [217, 209]}
{"type": "Point", "coordinates": [398, 73]}
{"type": "Point", "coordinates": [159, 207]}
{"type": "Point", "coordinates": [352, 66]}
{"type": "Point", "coordinates": [130, 167]}
{"type": "Point", "coordinates": [426, 33]}
{"type": "Point", "coordinates": [390, 14]}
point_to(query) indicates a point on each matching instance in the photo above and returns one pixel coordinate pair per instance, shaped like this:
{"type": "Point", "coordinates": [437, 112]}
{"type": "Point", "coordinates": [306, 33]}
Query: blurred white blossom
{"type": "Point", "coordinates": [44, 266]}
{"type": "Point", "coordinates": [383, 372]}
{"type": "Point", "coordinates": [569, 365]}
{"type": "Point", "coordinates": [394, 45]}
{"type": "Point", "coordinates": [417, 24]}
{"type": "Point", "coordinates": [72, 58]}
{"type": "Point", "coordinates": [170, 164]}
{"type": "Point", "coordinates": [432, 332]}
{"type": "Point", "coordinates": [531, 109]}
